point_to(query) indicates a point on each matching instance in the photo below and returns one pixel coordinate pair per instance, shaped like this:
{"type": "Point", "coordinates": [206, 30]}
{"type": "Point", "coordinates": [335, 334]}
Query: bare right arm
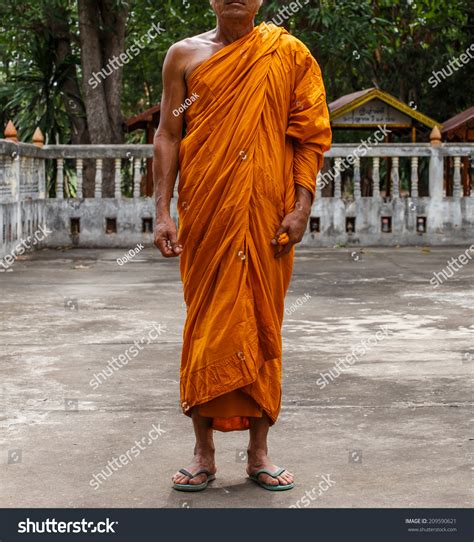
{"type": "Point", "coordinates": [166, 150]}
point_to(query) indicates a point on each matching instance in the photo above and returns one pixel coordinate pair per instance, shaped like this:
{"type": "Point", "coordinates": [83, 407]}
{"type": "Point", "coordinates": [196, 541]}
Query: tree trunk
{"type": "Point", "coordinates": [102, 39]}
{"type": "Point", "coordinates": [58, 23]}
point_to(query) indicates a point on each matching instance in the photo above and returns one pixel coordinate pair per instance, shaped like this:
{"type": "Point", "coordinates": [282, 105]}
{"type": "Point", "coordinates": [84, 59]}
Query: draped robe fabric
{"type": "Point", "coordinates": [259, 125]}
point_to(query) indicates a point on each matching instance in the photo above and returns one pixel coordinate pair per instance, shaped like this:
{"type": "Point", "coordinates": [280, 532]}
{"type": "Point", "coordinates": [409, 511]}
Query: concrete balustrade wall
{"type": "Point", "coordinates": [126, 221]}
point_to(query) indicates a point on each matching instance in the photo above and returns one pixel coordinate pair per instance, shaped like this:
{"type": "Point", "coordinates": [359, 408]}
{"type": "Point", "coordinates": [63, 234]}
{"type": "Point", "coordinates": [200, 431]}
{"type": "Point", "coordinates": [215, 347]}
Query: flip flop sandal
{"type": "Point", "coordinates": [194, 487]}
{"type": "Point", "coordinates": [279, 472]}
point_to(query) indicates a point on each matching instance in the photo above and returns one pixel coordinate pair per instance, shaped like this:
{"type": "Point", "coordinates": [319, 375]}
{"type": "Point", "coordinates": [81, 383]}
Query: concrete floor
{"type": "Point", "coordinates": [391, 431]}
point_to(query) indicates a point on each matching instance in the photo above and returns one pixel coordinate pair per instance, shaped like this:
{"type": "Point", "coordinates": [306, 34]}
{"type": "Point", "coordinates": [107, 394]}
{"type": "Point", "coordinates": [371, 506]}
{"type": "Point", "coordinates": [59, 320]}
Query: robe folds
{"type": "Point", "coordinates": [260, 124]}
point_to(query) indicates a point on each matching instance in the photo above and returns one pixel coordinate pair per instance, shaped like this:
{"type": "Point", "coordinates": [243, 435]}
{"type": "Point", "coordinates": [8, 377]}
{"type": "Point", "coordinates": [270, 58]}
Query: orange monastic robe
{"type": "Point", "coordinates": [260, 124]}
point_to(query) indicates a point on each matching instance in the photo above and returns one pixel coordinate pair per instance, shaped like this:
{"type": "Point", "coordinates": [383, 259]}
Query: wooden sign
{"type": "Point", "coordinates": [371, 114]}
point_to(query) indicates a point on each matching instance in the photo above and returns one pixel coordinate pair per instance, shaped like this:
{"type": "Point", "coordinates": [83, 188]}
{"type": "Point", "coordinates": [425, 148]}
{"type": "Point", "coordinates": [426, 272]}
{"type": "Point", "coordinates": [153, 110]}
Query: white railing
{"type": "Point", "coordinates": [22, 167]}
{"type": "Point", "coordinates": [128, 158]}
{"type": "Point", "coordinates": [345, 157]}
{"type": "Point", "coordinates": [338, 216]}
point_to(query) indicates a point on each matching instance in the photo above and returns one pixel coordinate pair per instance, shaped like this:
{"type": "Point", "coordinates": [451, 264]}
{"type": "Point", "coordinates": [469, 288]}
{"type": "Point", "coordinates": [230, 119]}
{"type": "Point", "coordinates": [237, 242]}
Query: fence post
{"type": "Point", "coordinates": [376, 177]}
{"type": "Point", "coordinates": [136, 177]}
{"type": "Point", "coordinates": [38, 141]}
{"type": "Point", "coordinates": [118, 178]}
{"type": "Point", "coordinates": [436, 174]}
{"type": "Point", "coordinates": [60, 179]}
{"type": "Point", "coordinates": [98, 178]}
{"type": "Point", "coordinates": [337, 178]}
{"type": "Point", "coordinates": [357, 192]}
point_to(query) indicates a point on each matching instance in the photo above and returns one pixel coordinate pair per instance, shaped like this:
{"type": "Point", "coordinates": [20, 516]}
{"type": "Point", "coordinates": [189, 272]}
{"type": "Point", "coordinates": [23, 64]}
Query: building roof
{"type": "Point", "coordinates": [458, 120]}
{"type": "Point", "coordinates": [347, 99]}
{"type": "Point", "coordinates": [349, 102]}
{"type": "Point", "coordinates": [141, 121]}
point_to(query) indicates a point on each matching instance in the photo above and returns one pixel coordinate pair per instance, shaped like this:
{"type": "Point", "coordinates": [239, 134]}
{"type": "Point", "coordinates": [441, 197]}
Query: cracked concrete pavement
{"type": "Point", "coordinates": [392, 430]}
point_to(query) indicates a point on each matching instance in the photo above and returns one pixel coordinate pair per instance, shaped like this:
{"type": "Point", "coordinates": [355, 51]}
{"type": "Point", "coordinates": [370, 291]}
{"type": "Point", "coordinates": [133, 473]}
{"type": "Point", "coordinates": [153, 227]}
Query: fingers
{"type": "Point", "coordinates": [290, 233]}
{"type": "Point", "coordinates": [280, 233]}
{"type": "Point", "coordinates": [173, 240]}
{"type": "Point", "coordinates": [164, 245]}
{"type": "Point", "coordinates": [283, 242]}
{"type": "Point", "coordinates": [281, 230]}
{"type": "Point", "coordinates": [166, 240]}
{"type": "Point", "coordinates": [167, 248]}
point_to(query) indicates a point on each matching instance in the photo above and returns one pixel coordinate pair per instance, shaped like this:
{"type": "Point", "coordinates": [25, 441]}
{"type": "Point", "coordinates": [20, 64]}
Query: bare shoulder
{"type": "Point", "coordinates": [188, 46]}
{"type": "Point", "coordinates": [189, 53]}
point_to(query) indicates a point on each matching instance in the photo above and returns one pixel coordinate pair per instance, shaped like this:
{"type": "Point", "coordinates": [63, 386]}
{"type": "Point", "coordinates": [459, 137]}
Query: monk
{"type": "Point", "coordinates": [252, 104]}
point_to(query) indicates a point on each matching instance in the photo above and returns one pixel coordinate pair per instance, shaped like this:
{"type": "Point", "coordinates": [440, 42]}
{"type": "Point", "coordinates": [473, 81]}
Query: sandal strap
{"type": "Point", "coordinates": [191, 476]}
{"type": "Point", "coordinates": [275, 474]}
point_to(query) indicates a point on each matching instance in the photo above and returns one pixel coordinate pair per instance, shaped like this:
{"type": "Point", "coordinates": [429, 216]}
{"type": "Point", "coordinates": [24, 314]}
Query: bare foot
{"type": "Point", "coordinates": [201, 460]}
{"type": "Point", "coordinates": [260, 460]}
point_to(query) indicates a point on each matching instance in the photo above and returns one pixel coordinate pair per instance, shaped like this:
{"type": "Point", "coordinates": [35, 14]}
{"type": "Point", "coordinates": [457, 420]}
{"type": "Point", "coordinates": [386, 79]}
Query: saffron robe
{"type": "Point", "coordinates": [259, 126]}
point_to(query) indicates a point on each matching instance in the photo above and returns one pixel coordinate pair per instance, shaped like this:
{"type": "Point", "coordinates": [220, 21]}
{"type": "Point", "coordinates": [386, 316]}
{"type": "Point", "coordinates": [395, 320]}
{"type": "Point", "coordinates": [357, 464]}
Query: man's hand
{"type": "Point", "coordinates": [294, 225]}
{"type": "Point", "coordinates": [166, 238]}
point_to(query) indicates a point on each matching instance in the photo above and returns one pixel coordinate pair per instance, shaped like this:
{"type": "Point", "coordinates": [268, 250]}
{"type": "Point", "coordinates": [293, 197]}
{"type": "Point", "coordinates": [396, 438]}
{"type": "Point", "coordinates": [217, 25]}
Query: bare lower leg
{"type": "Point", "coordinates": [258, 453]}
{"type": "Point", "coordinates": [203, 451]}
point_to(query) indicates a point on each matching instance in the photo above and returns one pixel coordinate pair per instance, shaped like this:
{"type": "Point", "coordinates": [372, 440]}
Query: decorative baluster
{"type": "Point", "coordinates": [24, 181]}
{"type": "Point", "coordinates": [376, 177]}
{"type": "Point", "coordinates": [136, 177]}
{"type": "Point", "coordinates": [80, 176]}
{"type": "Point", "coordinates": [337, 178]}
{"type": "Point", "coordinates": [318, 186]}
{"type": "Point", "coordinates": [14, 176]}
{"type": "Point", "coordinates": [395, 178]}
{"type": "Point", "coordinates": [98, 178]}
{"type": "Point", "coordinates": [457, 177]}
{"type": "Point", "coordinates": [42, 179]}
{"type": "Point", "coordinates": [60, 179]}
{"type": "Point", "coordinates": [30, 187]}
{"type": "Point", "coordinates": [357, 192]}
{"type": "Point", "coordinates": [118, 178]}
{"type": "Point", "coordinates": [2, 180]}
{"type": "Point", "coordinates": [34, 177]}
{"type": "Point", "coordinates": [414, 177]}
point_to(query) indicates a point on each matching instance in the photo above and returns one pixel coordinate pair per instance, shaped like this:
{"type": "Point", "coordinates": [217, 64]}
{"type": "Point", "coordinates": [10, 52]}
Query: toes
{"type": "Point", "coordinates": [269, 480]}
{"type": "Point", "coordinates": [179, 478]}
{"type": "Point", "coordinates": [285, 479]}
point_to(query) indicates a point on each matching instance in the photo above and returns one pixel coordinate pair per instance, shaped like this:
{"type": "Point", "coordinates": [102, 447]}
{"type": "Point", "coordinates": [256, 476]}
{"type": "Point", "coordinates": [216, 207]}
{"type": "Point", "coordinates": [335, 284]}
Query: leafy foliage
{"type": "Point", "coordinates": [358, 43]}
